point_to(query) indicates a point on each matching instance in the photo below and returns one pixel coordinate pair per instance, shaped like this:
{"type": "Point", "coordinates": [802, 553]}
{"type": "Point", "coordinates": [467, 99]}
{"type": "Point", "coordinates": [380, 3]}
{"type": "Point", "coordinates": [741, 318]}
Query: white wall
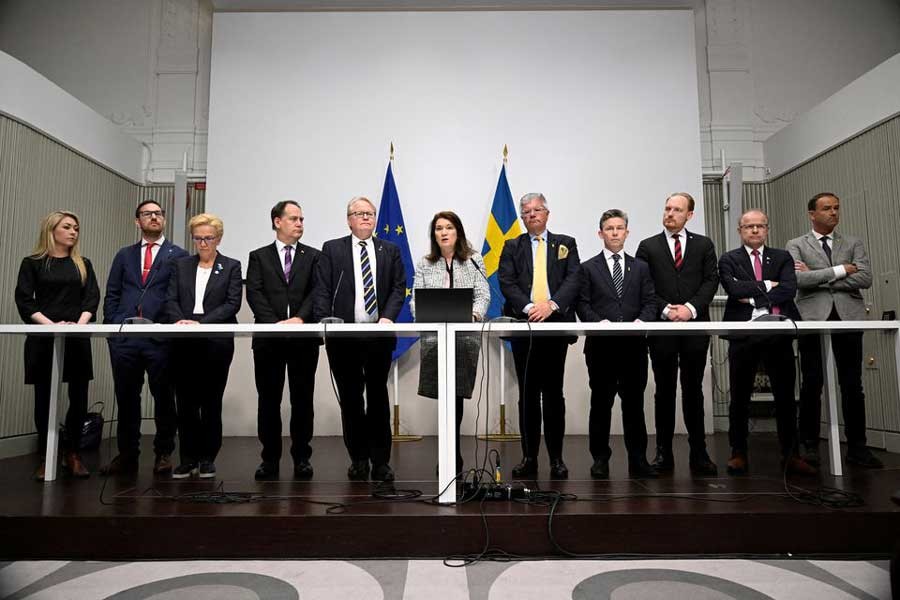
{"type": "Point", "coordinates": [29, 97]}
{"type": "Point", "coordinates": [871, 99]}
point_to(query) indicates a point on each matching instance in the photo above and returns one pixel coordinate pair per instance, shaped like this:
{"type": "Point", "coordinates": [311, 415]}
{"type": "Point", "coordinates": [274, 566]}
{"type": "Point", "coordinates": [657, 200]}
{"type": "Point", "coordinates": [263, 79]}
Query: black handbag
{"type": "Point", "coordinates": [91, 429]}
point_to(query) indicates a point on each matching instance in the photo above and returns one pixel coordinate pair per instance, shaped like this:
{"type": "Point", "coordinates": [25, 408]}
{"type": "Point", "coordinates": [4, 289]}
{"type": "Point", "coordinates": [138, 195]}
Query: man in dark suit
{"type": "Point", "coordinates": [685, 276]}
{"type": "Point", "coordinates": [361, 279]}
{"type": "Point", "coordinates": [280, 290]}
{"type": "Point", "coordinates": [538, 275]}
{"type": "Point", "coordinates": [617, 288]}
{"type": "Point", "coordinates": [832, 268]}
{"type": "Point", "coordinates": [137, 286]}
{"type": "Point", "coordinates": [760, 281]}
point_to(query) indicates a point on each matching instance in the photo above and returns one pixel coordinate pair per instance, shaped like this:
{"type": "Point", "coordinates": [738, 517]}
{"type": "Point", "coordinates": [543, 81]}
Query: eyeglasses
{"type": "Point", "coordinates": [146, 214]}
{"type": "Point", "coordinates": [204, 240]}
{"type": "Point", "coordinates": [362, 214]}
{"type": "Point", "coordinates": [755, 226]}
{"type": "Point", "coordinates": [528, 213]}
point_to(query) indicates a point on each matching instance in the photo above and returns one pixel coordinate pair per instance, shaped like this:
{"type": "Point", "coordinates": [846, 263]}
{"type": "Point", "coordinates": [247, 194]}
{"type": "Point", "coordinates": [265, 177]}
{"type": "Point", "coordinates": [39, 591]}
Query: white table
{"type": "Point", "coordinates": [446, 344]}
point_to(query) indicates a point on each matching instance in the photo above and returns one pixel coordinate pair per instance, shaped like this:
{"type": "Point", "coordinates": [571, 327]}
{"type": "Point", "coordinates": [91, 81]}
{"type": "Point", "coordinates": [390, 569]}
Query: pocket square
{"type": "Point", "coordinates": [563, 252]}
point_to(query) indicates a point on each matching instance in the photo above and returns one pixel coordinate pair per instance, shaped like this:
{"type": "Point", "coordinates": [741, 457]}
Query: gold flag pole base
{"type": "Point", "coordinates": [501, 436]}
{"type": "Point", "coordinates": [398, 437]}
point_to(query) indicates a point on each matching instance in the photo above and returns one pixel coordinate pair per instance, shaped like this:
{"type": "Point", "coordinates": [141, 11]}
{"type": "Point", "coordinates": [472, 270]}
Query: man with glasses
{"type": "Point", "coordinates": [760, 281]}
{"type": "Point", "coordinates": [832, 268]}
{"type": "Point", "coordinates": [361, 279]}
{"type": "Point", "coordinates": [137, 287]}
{"type": "Point", "coordinates": [539, 278]}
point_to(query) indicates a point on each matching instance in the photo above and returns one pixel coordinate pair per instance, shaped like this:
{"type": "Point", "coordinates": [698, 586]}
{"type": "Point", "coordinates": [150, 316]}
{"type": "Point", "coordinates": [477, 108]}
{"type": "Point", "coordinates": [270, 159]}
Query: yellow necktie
{"type": "Point", "coordinates": [540, 291]}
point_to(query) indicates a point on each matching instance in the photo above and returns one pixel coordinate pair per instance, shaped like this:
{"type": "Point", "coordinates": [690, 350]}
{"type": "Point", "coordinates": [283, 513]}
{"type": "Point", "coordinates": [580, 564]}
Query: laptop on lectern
{"type": "Point", "coordinates": [444, 305]}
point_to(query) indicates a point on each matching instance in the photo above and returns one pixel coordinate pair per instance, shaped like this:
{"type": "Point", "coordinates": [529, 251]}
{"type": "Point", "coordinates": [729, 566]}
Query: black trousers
{"type": "Point", "coordinates": [540, 373]}
{"type": "Point", "coordinates": [360, 368]}
{"type": "Point", "coordinates": [271, 358]}
{"type": "Point", "coordinates": [618, 366]}
{"type": "Point", "coordinates": [78, 398]}
{"type": "Point", "coordinates": [848, 357]}
{"type": "Point", "coordinates": [776, 353]}
{"type": "Point", "coordinates": [668, 354]}
{"type": "Point", "coordinates": [131, 358]}
{"type": "Point", "coordinates": [201, 375]}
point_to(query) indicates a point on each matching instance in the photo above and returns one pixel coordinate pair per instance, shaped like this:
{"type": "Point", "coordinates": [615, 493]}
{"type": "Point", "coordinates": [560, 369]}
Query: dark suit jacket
{"type": "Point", "coordinates": [222, 299]}
{"type": "Point", "coordinates": [124, 286]}
{"type": "Point", "coordinates": [697, 280]}
{"type": "Point", "coordinates": [270, 296]}
{"type": "Point", "coordinates": [516, 273]}
{"type": "Point", "coordinates": [738, 281]}
{"type": "Point", "coordinates": [598, 300]}
{"type": "Point", "coordinates": [334, 280]}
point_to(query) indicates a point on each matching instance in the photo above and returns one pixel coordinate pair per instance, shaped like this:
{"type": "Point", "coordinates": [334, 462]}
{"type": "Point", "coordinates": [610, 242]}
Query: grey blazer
{"type": "Point", "coordinates": [816, 292]}
{"type": "Point", "coordinates": [431, 275]}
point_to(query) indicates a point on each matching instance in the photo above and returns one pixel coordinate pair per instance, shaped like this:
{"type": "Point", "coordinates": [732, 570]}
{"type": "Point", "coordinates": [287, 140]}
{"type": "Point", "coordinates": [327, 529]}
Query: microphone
{"type": "Point", "coordinates": [500, 319]}
{"type": "Point", "coordinates": [144, 320]}
{"type": "Point", "coordinates": [333, 319]}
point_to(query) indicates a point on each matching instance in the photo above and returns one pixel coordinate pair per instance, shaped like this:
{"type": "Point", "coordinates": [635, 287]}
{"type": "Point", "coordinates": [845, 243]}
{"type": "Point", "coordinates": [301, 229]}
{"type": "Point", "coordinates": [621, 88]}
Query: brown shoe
{"type": "Point", "coordinates": [121, 464]}
{"type": "Point", "coordinates": [39, 472]}
{"type": "Point", "coordinates": [163, 464]}
{"type": "Point", "coordinates": [738, 464]}
{"type": "Point", "coordinates": [72, 461]}
{"type": "Point", "coordinates": [797, 466]}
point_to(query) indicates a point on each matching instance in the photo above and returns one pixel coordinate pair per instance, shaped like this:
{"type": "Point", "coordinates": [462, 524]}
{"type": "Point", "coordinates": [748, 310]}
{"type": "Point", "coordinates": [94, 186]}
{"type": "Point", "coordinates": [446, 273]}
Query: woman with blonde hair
{"type": "Point", "coordinates": [57, 286]}
{"type": "Point", "coordinates": [204, 288]}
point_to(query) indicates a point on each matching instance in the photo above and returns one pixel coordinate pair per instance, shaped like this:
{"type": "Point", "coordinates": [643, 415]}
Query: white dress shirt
{"type": "Point", "coordinates": [534, 247]}
{"type": "Point", "coordinates": [360, 315]}
{"type": "Point", "coordinates": [153, 251]}
{"type": "Point", "coordinates": [839, 271]}
{"type": "Point", "coordinates": [670, 239]}
{"type": "Point", "coordinates": [280, 246]}
{"type": "Point", "coordinates": [200, 284]}
{"type": "Point", "coordinates": [757, 312]}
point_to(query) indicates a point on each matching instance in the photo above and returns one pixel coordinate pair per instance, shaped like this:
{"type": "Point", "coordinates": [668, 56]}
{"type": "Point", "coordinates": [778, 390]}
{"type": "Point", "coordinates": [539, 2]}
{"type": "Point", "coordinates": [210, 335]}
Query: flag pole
{"type": "Point", "coordinates": [502, 435]}
{"type": "Point", "coordinates": [395, 368]}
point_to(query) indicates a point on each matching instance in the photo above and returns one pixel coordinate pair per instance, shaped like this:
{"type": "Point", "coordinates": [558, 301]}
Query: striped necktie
{"type": "Point", "coordinates": [618, 280]}
{"type": "Point", "coordinates": [368, 282]}
{"type": "Point", "coordinates": [678, 256]}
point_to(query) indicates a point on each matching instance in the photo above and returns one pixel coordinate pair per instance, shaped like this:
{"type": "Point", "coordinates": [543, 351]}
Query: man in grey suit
{"type": "Point", "coordinates": [831, 270]}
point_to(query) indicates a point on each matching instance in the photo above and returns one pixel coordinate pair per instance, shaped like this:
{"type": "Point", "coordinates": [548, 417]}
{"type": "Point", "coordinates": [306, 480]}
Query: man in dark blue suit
{"type": "Point", "coordinates": [617, 288]}
{"type": "Point", "coordinates": [137, 286]}
{"type": "Point", "coordinates": [760, 281]}
{"type": "Point", "coordinates": [361, 279]}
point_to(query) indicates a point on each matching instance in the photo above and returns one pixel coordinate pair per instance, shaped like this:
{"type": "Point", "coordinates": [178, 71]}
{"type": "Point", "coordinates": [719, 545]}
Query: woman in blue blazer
{"type": "Point", "coordinates": [204, 288]}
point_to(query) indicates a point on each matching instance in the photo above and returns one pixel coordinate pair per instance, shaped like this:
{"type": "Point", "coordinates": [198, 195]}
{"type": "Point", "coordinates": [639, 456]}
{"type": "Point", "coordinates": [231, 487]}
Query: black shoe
{"type": "Point", "coordinates": [206, 469]}
{"type": "Point", "coordinates": [811, 453]}
{"type": "Point", "coordinates": [185, 470]}
{"type": "Point", "coordinates": [641, 469]}
{"type": "Point", "coordinates": [266, 471]}
{"type": "Point", "coordinates": [863, 457]}
{"type": "Point", "coordinates": [382, 472]}
{"type": "Point", "coordinates": [664, 461]}
{"type": "Point", "coordinates": [527, 468]}
{"type": "Point", "coordinates": [558, 469]}
{"type": "Point", "coordinates": [600, 469]}
{"type": "Point", "coordinates": [359, 470]}
{"type": "Point", "coordinates": [303, 470]}
{"type": "Point", "coordinates": [702, 466]}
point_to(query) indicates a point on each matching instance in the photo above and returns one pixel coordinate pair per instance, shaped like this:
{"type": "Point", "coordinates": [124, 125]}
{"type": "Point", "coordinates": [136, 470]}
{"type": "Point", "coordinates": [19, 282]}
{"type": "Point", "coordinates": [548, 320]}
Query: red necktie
{"type": "Point", "coordinates": [678, 258]}
{"type": "Point", "coordinates": [757, 272]}
{"type": "Point", "coordinates": [148, 262]}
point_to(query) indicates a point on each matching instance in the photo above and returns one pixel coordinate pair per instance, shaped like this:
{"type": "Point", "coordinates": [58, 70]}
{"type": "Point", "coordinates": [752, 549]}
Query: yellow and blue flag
{"type": "Point", "coordinates": [391, 227]}
{"type": "Point", "coordinates": [503, 224]}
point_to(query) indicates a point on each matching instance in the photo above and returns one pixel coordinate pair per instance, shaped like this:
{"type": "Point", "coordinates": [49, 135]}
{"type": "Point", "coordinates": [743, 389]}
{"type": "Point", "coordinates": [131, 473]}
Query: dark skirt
{"type": "Point", "coordinates": [78, 364]}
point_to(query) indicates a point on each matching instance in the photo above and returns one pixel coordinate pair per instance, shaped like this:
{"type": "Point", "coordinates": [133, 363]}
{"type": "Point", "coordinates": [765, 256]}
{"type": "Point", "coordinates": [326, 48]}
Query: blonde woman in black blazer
{"type": "Point", "coordinates": [204, 288]}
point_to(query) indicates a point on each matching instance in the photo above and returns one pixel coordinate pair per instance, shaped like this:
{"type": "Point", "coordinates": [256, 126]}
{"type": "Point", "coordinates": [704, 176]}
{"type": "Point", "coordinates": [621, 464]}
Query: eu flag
{"type": "Point", "coordinates": [391, 227]}
{"type": "Point", "coordinates": [503, 224]}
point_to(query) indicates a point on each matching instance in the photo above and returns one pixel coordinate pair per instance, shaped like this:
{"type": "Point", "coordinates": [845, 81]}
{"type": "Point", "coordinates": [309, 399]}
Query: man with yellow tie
{"type": "Point", "coordinates": [539, 279]}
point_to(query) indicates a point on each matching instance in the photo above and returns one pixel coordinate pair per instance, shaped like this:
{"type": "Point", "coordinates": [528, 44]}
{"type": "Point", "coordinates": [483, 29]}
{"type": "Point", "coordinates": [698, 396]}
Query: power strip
{"type": "Point", "coordinates": [496, 491]}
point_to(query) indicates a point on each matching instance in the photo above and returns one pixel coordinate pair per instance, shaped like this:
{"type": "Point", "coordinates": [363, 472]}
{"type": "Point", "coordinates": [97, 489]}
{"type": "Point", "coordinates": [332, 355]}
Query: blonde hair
{"type": "Point", "coordinates": [356, 199]}
{"type": "Point", "coordinates": [46, 244]}
{"type": "Point", "coordinates": [208, 219]}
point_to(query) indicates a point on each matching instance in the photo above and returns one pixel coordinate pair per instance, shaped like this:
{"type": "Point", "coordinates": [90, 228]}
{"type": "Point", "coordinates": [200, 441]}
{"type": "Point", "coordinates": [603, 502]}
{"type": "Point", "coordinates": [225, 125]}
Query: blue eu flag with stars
{"type": "Point", "coordinates": [390, 227]}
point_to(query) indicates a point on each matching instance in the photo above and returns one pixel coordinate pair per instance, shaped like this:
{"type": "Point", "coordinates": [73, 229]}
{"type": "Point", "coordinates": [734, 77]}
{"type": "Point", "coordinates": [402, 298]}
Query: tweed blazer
{"type": "Point", "coordinates": [465, 275]}
{"type": "Point", "coordinates": [817, 290]}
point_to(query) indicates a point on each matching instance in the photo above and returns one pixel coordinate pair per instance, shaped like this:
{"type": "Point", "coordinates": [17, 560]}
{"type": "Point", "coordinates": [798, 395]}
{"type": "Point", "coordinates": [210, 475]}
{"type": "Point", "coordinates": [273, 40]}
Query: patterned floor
{"type": "Point", "coordinates": [431, 580]}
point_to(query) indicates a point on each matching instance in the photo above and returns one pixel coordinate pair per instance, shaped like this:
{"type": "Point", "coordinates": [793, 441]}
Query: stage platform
{"type": "Point", "coordinates": [142, 517]}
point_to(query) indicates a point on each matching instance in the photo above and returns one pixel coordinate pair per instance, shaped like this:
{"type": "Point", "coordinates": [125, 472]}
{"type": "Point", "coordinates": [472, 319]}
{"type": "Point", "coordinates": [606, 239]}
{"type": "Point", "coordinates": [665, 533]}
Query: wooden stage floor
{"type": "Point", "coordinates": [142, 517]}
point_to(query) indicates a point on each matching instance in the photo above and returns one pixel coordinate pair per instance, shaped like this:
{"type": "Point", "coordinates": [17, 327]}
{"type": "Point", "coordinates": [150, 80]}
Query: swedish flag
{"type": "Point", "coordinates": [503, 224]}
{"type": "Point", "coordinates": [391, 227]}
